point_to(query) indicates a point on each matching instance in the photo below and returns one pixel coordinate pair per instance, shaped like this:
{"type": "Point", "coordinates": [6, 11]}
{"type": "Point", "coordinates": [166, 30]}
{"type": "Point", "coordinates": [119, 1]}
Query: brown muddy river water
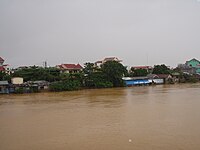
{"type": "Point", "coordinates": [164, 117]}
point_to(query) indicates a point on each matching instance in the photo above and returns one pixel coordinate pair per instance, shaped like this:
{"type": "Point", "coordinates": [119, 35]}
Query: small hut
{"type": "Point", "coordinates": [4, 87]}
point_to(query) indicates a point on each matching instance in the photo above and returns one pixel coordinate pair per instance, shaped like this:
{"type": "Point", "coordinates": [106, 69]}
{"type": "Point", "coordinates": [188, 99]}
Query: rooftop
{"type": "Point", "coordinates": [111, 59]}
{"type": "Point", "coordinates": [70, 66]}
{"type": "Point", "coordinates": [194, 59]}
{"type": "Point", "coordinates": [1, 59]}
{"type": "Point", "coordinates": [2, 68]}
{"type": "Point", "coordinates": [3, 82]}
{"type": "Point", "coordinates": [163, 75]}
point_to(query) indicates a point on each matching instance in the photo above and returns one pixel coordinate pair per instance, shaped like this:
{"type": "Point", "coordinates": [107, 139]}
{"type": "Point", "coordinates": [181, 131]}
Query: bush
{"type": "Point", "coordinates": [34, 89]}
{"type": "Point", "coordinates": [192, 80]}
{"type": "Point", "coordinates": [19, 90]}
{"type": "Point", "coordinates": [68, 85]}
{"type": "Point", "coordinates": [105, 84]}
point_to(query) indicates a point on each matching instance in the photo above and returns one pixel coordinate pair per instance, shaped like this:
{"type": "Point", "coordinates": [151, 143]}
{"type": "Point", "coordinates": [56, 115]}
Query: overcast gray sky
{"type": "Point", "coordinates": [139, 32]}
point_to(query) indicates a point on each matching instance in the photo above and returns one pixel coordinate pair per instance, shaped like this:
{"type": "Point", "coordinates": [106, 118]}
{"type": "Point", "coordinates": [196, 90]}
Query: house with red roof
{"type": "Point", "coordinates": [70, 68]}
{"type": "Point", "coordinates": [4, 67]}
{"type": "Point", "coordinates": [1, 61]}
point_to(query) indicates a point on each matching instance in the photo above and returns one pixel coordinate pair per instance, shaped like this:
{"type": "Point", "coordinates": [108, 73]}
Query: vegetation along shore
{"type": "Point", "coordinates": [110, 73]}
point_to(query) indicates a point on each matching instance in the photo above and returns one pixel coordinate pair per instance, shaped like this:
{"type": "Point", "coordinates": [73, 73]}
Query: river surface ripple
{"type": "Point", "coordinates": [162, 117]}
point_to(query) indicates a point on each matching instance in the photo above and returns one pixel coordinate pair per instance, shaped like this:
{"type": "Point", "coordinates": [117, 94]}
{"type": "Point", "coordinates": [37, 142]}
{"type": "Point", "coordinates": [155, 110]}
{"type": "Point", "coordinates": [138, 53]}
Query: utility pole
{"type": "Point", "coordinates": [45, 64]}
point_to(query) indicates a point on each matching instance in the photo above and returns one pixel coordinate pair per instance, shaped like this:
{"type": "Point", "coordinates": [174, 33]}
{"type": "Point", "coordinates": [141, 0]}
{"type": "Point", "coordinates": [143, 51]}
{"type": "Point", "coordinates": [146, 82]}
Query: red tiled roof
{"type": "Point", "coordinates": [70, 66]}
{"type": "Point", "coordinates": [1, 59]}
{"type": "Point", "coordinates": [2, 68]}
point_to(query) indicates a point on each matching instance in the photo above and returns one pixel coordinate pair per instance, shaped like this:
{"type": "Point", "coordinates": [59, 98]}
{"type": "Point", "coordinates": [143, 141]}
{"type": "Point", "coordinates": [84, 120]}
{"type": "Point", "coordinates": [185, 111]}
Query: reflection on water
{"type": "Point", "coordinates": [153, 117]}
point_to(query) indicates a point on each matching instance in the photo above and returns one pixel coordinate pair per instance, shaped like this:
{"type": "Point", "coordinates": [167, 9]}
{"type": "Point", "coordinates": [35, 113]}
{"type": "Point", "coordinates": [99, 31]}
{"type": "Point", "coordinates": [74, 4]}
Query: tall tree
{"type": "Point", "coordinates": [161, 69]}
{"type": "Point", "coordinates": [89, 68]}
{"type": "Point", "coordinates": [4, 76]}
{"type": "Point", "coordinates": [138, 72]}
{"type": "Point", "coordinates": [38, 73]}
{"type": "Point", "coordinates": [114, 71]}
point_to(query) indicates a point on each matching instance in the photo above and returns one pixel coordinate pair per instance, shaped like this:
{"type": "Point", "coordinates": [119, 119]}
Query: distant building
{"type": "Point", "coordinates": [155, 79]}
{"type": "Point", "coordinates": [99, 63]}
{"type": "Point", "coordinates": [4, 67]}
{"type": "Point", "coordinates": [190, 67]}
{"type": "Point", "coordinates": [4, 87]}
{"type": "Point", "coordinates": [131, 81]}
{"type": "Point", "coordinates": [17, 80]}
{"type": "Point", "coordinates": [37, 85]}
{"type": "Point", "coordinates": [186, 69]}
{"type": "Point", "coordinates": [166, 77]}
{"type": "Point", "coordinates": [1, 61]}
{"type": "Point", "coordinates": [194, 63]}
{"type": "Point", "coordinates": [70, 68]}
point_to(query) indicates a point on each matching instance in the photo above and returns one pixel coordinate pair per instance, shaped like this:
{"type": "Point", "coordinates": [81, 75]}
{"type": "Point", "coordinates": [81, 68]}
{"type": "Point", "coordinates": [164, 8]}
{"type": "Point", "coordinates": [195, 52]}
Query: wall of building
{"type": "Point", "coordinates": [17, 80]}
{"type": "Point", "coordinates": [137, 82]}
{"type": "Point", "coordinates": [4, 90]}
{"type": "Point", "coordinates": [156, 81]}
{"type": "Point", "coordinates": [193, 63]}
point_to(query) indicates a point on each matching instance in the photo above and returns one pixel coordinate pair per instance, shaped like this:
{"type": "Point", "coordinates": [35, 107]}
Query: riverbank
{"type": "Point", "coordinates": [84, 88]}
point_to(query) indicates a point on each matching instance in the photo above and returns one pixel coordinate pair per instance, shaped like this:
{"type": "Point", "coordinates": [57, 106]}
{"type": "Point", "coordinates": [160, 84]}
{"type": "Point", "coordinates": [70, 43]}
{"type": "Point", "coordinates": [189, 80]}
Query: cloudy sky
{"type": "Point", "coordinates": [139, 32]}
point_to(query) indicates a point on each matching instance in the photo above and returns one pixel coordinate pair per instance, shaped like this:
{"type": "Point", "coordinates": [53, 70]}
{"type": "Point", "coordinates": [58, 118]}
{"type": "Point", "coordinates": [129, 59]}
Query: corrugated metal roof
{"type": "Point", "coordinates": [134, 78]}
{"type": "Point", "coordinates": [3, 82]}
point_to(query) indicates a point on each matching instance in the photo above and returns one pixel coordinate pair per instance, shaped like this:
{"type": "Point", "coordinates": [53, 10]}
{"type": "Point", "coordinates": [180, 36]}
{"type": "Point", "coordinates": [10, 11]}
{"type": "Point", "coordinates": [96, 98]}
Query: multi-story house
{"type": "Point", "coordinates": [194, 63]}
{"type": "Point", "coordinates": [190, 67]}
{"type": "Point", "coordinates": [70, 68]}
{"type": "Point", "coordinates": [99, 63]}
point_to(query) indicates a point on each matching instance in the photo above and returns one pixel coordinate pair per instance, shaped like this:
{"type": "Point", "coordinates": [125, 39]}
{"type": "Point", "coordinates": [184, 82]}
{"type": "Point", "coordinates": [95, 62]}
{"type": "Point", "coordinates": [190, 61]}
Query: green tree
{"type": "Point", "coordinates": [114, 71]}
{"type": "Point", "coordinates": [68, 85]}
{"type": "Point", "coordinates": [94, 77]}
{"type": "Point", "coordinates": [161, 69]}
{"type": "Point", "coordinates": [97, 80]}
{"type": "Point", "coordinates": [138, 72]}
{"type": "Point", "coordinates": [89, 68]}
{"type": "Point", "coordinates": [4, 76]}
{"type": "Point", "coordinates": [38, 73]}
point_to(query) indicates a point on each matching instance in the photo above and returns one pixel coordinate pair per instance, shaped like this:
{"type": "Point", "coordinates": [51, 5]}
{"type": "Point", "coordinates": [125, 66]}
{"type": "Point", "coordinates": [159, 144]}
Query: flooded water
{"type": "Point", "coordinates": [164, 117]}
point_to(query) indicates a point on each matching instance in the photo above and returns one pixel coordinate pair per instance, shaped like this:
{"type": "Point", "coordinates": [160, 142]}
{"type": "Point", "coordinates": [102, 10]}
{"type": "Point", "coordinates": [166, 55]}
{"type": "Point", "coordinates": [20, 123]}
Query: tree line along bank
{"type": "Point", "coordinates": [107, 75]}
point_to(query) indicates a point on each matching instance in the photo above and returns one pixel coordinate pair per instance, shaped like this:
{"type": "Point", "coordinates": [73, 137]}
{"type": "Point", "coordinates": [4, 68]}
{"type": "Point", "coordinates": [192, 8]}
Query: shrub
{"type": "Point", "coordinates": [68, 85]}
{"type": "Point", "coordinates": [19, 90]}
{"type": "Point", "coordinates": [105, 84]}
